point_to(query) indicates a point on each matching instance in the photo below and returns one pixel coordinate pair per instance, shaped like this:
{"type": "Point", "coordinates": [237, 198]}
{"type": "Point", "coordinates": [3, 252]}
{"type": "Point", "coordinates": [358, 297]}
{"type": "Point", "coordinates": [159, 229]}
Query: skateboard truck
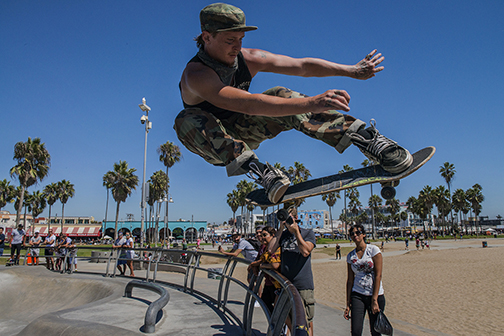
{"type": "Point", "coordinates": [388, 189]}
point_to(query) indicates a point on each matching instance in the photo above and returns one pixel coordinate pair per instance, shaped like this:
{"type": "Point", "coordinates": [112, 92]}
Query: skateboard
{"type": "Point", "coordinates": [345, 180]}
{"type": "Point", "coordinates": [10, 262]}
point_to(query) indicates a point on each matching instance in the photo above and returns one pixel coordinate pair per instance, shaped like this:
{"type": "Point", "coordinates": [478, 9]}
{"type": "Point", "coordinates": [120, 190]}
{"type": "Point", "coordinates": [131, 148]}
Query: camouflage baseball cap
{"type": "Point", "coordinates": [219, 17]}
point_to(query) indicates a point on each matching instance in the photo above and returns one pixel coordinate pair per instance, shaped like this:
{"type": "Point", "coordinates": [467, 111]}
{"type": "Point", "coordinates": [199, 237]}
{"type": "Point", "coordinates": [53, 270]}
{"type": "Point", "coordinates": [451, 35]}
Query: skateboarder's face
{"type": "Point", "coordinates": [224, 46]}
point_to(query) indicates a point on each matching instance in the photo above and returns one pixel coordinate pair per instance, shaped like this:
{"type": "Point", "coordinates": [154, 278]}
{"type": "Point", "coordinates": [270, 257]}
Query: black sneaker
{"type": "Point", "coordinates": [272, 179]}
{"type": "Point", "coordinates": [380, 149]}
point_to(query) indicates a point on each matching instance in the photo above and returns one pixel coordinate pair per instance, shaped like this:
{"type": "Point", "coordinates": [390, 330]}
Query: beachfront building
{"type": "Point", "coordinates": [248, 222]}
{"type": "Point", "coordinates": [314, 219]}
{"type": "Point", "coordinates": [180, 229]}
{"type": "Point", "coordinates": [81, 227]}
{"type": "Point", "coordinates": [8, 220]}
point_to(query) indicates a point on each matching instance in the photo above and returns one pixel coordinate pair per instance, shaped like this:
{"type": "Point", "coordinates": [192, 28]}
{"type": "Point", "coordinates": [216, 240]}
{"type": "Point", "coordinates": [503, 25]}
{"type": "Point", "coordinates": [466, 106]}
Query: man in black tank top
{"type": "Point", "coordinates": [223, 123]}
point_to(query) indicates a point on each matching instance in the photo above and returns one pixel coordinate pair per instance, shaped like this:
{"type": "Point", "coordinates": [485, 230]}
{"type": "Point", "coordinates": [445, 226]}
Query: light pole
{"type": "Point", "coordinates": [167, 199]}
{"type": "Point", "coordinates": [148, 125]}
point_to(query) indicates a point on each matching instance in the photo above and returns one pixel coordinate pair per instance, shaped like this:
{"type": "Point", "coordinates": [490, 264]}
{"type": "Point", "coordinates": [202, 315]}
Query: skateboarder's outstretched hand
{"type": "Point", "coordinates": [367, 68]}
{"type": "Point", "coordinates": [332, 100]}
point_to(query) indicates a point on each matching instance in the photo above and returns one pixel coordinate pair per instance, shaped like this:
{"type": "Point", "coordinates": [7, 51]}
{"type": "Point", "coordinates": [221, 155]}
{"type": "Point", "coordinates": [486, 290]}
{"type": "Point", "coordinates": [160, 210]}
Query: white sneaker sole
{"type": "Point", "coordinates": [277, 192]}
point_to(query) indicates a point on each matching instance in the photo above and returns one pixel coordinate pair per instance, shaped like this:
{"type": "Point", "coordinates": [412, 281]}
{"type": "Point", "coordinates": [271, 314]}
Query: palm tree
{"type": "Point", "coordinates": [151, 201]}
{"type": "Point", "coordinates": [442, 201]}
{"type": "Point", "coordinates": [375, 203]}
{"type": "Point", "coordinates": [475, 198]}
{"type": "Point", "coordinates": [169, 154]}
{"type": "Point", "coordinates": [331, 199]}
{"type": "Point", "coordinates": [33, 161]}
{"type": "Point", "coordinates": [233, 202]}
{"type": "Point", "coordinates": [160, 185]}
{"type": "Point", "coordinates": [426, 200]}
{"type": "Point", "coordinates": [346, 168]}
{"type": "Point", "coordinates": [354, 204]}
{"type": "Point", "coordinates": [447, 171]}
{"type": "Point", "coordinates": [38, 202]}
{"type": "Point", "coordinates": [244, 188]}
{"type": "Point", "coordinates": [18, 197]}
{"type": "Point", "coordinates": [367, 163]}
{"type": "Point", "coordinates": [66, 191]}
{"type": "Point", "coordinates": [107, 183]}
{"type": "Point", "coordinates": [393, 208]}
{"type": "Point", "coordinates": [51, 192]}
{"type": "Point", "coordinates": [297, 174]}
{"type": "Point", "coordinates": [459, 201]}
{"type": "Point", "coordinates": [124, 181]}
{"type": "Point", "coordinates": [250, 208]}
{"type": "Point", "coordinates": [6, 193]}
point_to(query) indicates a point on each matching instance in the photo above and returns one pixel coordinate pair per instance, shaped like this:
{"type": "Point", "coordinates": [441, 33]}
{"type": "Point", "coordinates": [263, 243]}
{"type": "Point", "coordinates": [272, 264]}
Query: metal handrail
{"type": "Point", "coordinates": [155, 307]}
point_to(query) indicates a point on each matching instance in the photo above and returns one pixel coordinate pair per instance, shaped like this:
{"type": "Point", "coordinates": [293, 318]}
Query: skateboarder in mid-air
{"type": "Point", "coordinates": [222, 122]}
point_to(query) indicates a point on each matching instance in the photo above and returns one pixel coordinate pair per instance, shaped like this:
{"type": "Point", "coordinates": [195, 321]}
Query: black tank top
{"type": "Point", "coordinates": [242, 80]}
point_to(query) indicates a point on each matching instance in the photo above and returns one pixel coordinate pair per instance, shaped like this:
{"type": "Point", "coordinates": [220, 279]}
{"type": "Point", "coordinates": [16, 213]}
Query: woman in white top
{"type": "Point", "coordinates": [130, 254]}
{"type": "Point", "coordinates": [364, 286]}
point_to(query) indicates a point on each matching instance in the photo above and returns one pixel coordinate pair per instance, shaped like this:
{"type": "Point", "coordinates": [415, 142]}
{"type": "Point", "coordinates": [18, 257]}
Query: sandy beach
{"type": "Point", "coordinates": [454, 288]}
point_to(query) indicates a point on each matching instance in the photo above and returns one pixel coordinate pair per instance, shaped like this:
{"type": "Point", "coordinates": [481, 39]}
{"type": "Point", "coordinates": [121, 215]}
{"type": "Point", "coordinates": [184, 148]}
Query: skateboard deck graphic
{"type": "Point", "coordinates": [351, 179]}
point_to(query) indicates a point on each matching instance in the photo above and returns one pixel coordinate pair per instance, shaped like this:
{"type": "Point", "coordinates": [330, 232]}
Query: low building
{"type": "Point", "coordinates": [74, 226]}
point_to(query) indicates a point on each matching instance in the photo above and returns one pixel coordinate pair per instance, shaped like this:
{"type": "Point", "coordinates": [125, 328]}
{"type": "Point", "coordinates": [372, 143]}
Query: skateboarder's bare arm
{"type": "Point", "coordinates": [263, 61]}
{"type": "Point", "coordinates": [200, 83]}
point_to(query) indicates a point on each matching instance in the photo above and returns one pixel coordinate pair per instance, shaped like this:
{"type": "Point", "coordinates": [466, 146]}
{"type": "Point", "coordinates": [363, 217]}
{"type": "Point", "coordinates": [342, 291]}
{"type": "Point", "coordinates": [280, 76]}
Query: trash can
{"type": "Point", "coordinates": [484, 243]}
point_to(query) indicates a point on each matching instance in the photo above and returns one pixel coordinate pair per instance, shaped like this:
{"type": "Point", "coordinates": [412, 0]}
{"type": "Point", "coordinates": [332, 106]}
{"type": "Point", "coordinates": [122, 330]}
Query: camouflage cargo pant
{"type": "Point", "coordinates": [230, 142]}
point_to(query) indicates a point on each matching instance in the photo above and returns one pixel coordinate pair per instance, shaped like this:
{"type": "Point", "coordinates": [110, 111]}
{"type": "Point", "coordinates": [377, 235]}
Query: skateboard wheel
{"type": "Point", "coordinates": [388, 192]}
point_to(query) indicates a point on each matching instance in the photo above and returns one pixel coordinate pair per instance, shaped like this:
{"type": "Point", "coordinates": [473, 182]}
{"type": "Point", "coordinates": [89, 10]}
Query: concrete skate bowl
{"type": "Point", "coordinates": [32, 301]}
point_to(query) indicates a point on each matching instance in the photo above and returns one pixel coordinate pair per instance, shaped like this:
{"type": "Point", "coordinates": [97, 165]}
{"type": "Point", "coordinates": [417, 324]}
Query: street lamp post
{"type": "Point", "coordinates": [148, 125]}
{"type": "Point", "coordinates": [167, 199]}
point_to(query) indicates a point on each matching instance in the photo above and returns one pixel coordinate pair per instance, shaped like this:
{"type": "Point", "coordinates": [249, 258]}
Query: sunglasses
{"type": "Point", "coordinates": [356, 233]}
{"type": "Point", "coordinates": [265, 234]}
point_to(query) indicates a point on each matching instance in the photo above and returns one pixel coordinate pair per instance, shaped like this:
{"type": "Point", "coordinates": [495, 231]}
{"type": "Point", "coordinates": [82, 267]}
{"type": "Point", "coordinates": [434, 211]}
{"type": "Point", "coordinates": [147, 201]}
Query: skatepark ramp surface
{"type": "Point", "coordinates": [32, 300]}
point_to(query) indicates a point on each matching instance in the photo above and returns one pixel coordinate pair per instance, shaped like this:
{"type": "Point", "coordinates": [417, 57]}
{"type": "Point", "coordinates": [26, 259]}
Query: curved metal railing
{"type": "Point", "coordinates": [154, 307]}
{"type": "Point", "coordinates": [288, 303]}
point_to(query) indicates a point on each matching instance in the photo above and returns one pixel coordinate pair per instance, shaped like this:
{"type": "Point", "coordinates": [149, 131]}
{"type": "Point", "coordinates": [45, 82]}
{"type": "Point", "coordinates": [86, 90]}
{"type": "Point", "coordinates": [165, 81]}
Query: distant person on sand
{"type": "Point", "coordinates": [364, 290]}
{"type": "Point", "coordinates": [338, 251]}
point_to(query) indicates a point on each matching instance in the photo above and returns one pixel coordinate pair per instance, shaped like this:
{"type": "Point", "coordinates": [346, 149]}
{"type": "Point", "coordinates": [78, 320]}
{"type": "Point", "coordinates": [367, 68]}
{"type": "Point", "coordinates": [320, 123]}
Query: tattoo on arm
{"type": "Point", "coordinates": [263, 54]}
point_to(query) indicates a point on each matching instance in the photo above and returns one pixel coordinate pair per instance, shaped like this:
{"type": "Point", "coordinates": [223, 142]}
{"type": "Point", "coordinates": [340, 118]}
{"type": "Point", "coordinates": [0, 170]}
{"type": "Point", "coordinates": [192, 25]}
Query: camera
{"type": "Point", "coordinates": [283, 215]}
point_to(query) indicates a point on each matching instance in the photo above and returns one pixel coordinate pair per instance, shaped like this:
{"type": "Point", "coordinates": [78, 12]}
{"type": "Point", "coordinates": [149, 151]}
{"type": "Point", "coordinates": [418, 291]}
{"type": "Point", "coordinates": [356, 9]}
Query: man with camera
{"type": "Point", "coordinates": [297, 244]}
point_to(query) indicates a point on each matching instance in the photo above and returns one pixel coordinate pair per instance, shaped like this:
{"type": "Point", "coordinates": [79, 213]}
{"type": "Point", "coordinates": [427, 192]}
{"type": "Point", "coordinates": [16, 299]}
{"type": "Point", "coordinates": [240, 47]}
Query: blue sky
{"type": "Point", "coordinates": [74, 72]}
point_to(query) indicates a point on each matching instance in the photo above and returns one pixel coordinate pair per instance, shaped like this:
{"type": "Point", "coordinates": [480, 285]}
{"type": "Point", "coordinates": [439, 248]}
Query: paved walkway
{"type": "Point", "coordinates": [49, 303]}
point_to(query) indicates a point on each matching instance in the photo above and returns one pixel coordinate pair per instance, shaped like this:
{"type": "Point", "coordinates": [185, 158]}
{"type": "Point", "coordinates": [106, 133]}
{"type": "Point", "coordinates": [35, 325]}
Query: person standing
{"type": "Point", "coordinates": [240, 246]}
{"type": "Point", "coordinates": [2, 241]}
{"type": "Point", "coordinates": [16, 242]}
{"type": "Point", "coordinates": [364, 289]}
{"type": "Point", "coordinates": [49, 242]}
{"type": "Point", "coordinates": [296, 246]}
{"type": "Point", "coordinates": [130, 254]}
{"type": "Point", "coordinates": [267, 260]}
{"type": "Point", "coordinates": [35, 251]}
{"type": "Point", "coordinates": [118, 244]}
{"type": "Point", "coordinates": [338, 251]}
{"type": "Point", "coordinates": [245, 248]}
